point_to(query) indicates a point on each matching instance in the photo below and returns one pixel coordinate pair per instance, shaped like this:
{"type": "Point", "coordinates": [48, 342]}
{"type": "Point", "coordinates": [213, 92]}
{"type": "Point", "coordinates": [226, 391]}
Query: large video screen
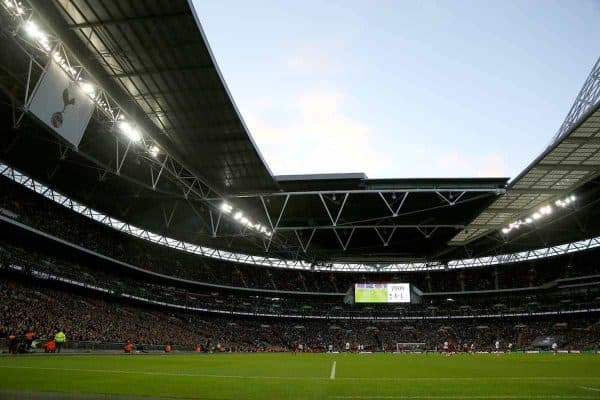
{"type": "Point", "coordinates": [382, 293]}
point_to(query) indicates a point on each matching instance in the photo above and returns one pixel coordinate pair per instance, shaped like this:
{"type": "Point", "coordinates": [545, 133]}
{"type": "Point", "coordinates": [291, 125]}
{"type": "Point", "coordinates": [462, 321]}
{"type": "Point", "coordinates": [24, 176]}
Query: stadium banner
{"type": "Point", "coordinates": [382, 293]}
{"type": "Point", "coordinates": [61, 104]}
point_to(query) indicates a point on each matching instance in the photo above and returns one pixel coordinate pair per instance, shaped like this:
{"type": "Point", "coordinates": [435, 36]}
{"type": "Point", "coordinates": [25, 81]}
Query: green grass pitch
{"type": "Point", "coordinates": [307, 376]}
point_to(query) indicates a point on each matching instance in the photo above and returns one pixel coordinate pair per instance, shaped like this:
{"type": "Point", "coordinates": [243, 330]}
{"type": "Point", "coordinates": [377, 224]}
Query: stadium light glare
{"type": "Point", "coordinates": [226, 208]}
{"type": "Point", "coordinates": [36, 33]}
{"type": "Point", "coordinates": [88, 88]}
{"type": "Point", "coordinates": [546, 210]}
{"type": "Point", "coordinates": [154, 151]}
{"type": "Point", "coordinates": [32, 29]}
{"type": "Point", "coordinates": [238, 216]}
{"type": "Point", "coordinates": [130, 132]}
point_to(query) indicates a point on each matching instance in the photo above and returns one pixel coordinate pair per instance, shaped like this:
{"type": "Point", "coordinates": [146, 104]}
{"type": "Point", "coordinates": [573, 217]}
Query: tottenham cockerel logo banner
{"type": "Point", "coordinates": [61, 104]}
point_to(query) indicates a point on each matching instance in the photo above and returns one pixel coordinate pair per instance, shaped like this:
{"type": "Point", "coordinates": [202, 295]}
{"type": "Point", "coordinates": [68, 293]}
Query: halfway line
{"type": "Point", "coordinates": [332, 376]}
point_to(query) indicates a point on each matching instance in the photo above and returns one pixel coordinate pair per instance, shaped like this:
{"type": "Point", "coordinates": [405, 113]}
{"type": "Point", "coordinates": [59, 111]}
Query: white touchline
{"type": "Point", "coordinates": [483, 397]}
{"type": "Point", "coordinates": [332, 376]}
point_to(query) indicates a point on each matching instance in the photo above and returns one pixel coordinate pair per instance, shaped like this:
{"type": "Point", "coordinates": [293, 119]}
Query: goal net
{"type": "Point", "coordinates": [404, 347]}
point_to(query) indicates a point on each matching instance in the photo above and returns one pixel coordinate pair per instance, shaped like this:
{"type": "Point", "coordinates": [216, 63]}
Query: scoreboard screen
{"type": "Point", "coordinates": [382, 293]}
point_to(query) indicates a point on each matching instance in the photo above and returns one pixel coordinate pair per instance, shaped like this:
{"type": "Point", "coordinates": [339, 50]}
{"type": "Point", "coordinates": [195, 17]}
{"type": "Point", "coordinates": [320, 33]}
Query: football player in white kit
{"type": "Point", "coordinates": [497, 346]}
{"type": "Point", "coordinates": [347, 346]}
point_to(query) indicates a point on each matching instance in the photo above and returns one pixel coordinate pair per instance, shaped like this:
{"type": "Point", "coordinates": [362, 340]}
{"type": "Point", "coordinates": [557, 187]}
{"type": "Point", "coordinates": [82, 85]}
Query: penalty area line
{"type": "Point", "coordinates": [332, 376]}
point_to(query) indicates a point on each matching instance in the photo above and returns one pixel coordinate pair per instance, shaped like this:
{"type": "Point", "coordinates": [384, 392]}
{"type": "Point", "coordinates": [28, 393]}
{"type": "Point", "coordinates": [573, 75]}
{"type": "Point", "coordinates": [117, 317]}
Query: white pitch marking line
{"type": "Point", "coordinates": [589, 388]}
{"type": "Point", "coordinates": [332, 376]}
{"type": "Point", "coordinates": [484, 397]}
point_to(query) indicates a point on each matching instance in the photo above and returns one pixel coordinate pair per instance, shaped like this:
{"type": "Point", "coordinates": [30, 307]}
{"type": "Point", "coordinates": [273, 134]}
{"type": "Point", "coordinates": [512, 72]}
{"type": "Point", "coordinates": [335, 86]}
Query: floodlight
{"type": "Point", "coordinates": [57, 57]}
{"type": "Point", "coordinates": [154, 151]}
{"type": "Point", "coordinates": [505, 230]}
{"type": "Point", "coordinates": [545, 210]}
{"type": "Point", "coordinates": [130, 132]}
{"type": "Point", "coordinates": [32, 29]}
{"type": "Point", "coordinates": [88, 88]}
{"type": "Point", "coordinates": [238, 215]}
{"type": "Point", "coordinates": [226, 208]}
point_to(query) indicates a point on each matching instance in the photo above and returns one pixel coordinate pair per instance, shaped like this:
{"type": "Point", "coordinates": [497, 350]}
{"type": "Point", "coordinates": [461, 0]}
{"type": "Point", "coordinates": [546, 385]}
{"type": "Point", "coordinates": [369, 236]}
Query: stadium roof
{"type": "Point", "coordinates": [154, 60]}
{"type": "Point", "coordinates": [156, 57]}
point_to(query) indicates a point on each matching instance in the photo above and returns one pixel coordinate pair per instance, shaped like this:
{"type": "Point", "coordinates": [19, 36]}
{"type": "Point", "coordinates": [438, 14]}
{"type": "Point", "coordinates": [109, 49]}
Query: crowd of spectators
{"type": "Point", "coordinates": [24, 306]}
{"type": "Point", "coordinates": [45, 311]}
{"type": "Point", "coordinates": [122, 282]}
{"type": "Point", "coordinates": [43, 214]}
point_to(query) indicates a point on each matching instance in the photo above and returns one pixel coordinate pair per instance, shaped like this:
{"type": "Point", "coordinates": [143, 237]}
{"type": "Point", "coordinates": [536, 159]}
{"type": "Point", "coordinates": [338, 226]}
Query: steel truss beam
{"type": "Point", "coordinates": [160, 163]}
{"type": "Point", "coordinates": [374, 191]}
{"type": "Point", "coordinates": [334, 203]}
{"type": "Point", "coordinates": [450, 196]}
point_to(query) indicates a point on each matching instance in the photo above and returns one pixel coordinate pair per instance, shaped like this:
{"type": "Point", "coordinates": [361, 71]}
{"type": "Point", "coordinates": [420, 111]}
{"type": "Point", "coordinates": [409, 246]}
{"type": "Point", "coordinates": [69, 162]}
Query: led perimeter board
{"type": "Point", "coordinates": [382, 293]}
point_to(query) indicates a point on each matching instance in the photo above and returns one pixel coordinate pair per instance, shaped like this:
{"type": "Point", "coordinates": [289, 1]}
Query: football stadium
{"type": "Point", "coordinates": [147, 250]}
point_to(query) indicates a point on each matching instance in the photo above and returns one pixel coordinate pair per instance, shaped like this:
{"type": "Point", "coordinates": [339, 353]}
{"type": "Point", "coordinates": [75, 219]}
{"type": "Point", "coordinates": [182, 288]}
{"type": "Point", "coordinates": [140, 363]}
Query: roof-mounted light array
{"type": "Point", "coordinates": [541, 213]}
{"type": "Point", "coordinates": [238, 216]}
